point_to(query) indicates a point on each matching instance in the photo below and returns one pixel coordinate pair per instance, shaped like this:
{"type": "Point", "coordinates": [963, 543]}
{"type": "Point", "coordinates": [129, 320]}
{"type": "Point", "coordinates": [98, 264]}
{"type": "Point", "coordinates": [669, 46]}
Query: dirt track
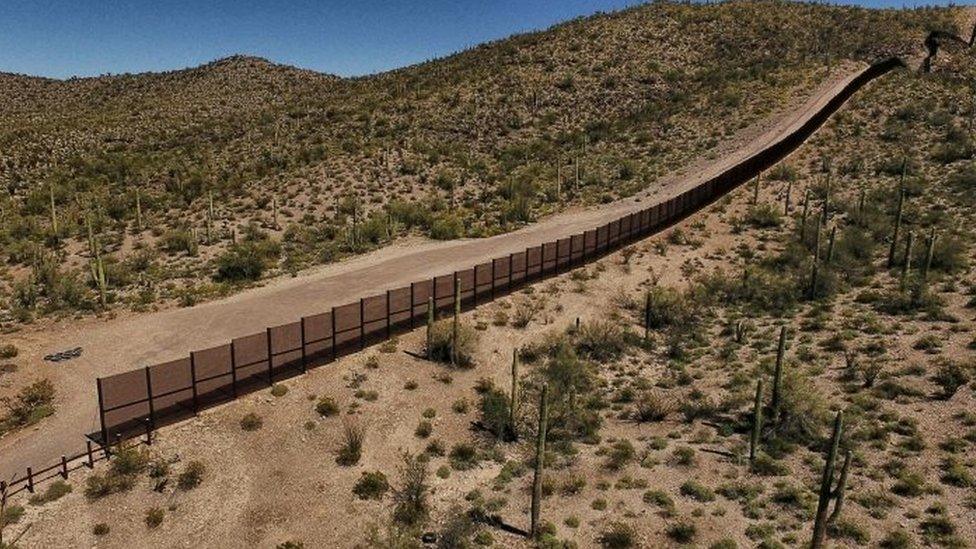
{"type": "Point", "coordinates": [132, 341]}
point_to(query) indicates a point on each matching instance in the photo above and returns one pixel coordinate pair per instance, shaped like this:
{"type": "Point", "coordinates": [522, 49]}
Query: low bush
{"type": "Point", "coordinates": [353, 437]}
{"type": "Point", "coordinates": [442, 342]}
{"type": "Point", "coordinates": [251, 422]}
{"type": "Point", "coordinates": [618, 535]}
{"type": "Point", "coordinates": [327, 407]}
{"type": "Point", "coordinates": [371, 485]}
{"type": "Point", "coordinates": [192, 475]}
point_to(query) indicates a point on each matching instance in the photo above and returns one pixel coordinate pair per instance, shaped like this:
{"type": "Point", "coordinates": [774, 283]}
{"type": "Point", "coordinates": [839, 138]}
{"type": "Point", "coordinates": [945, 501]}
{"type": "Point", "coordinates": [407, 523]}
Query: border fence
{"type": "Point", "coordinates": [136, 402]}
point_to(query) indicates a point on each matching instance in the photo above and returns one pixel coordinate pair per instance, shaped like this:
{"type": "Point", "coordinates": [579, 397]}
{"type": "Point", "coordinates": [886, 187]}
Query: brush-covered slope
{"type": "Point", "coordinates": [241, 168]}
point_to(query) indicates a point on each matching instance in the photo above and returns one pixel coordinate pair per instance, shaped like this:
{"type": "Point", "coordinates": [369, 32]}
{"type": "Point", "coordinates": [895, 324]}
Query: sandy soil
{"type": "Point", "coordinates": [129, 341]}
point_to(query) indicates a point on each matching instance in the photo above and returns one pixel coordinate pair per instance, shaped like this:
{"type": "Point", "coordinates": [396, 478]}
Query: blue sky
{"type": "Point", "coordinates": [62, 38]}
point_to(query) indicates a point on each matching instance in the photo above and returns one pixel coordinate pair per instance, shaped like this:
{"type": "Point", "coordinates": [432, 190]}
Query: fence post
{"type": "Point", "coordinates": [493, 279]}
{"type": "Point", "coordinates": [413, 323]}
{"type": "Point", "coordinates": [193, 383]}
{"type": "Point", "coordinates": [335, 345]}
{"type": "Point", "coordinates": [64, 467]}
{"type": "Point", "coordinates": [267, 335]}
{"type": "Point", "coordinates": [511, 271]}
{"type": "Point", "coordinates": [101, 410]}
{"type": "Point", "coordinates": [304, 357]}
{"type": "Point", "coordinates": [91, 458]}
{"type": "Point", "coordinates": [30, 480]}
{"type": "Point", "coordinates": [389, 328]}
{"type": "Point", "coordinates": [233, 368]}
{"type": "Point", "coordinates": [149, 393]}
{"type": "Point", "coordinates": [362, 323]}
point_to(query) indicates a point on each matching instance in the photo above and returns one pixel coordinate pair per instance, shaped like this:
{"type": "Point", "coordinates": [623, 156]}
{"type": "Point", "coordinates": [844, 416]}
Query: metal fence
{"type": "Point", "coordinates": [133, 401]}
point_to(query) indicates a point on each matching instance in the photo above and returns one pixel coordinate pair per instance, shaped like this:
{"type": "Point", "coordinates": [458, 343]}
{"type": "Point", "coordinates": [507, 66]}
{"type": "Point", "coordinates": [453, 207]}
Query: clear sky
{"type": "Point", "coordinates": [61, 38]}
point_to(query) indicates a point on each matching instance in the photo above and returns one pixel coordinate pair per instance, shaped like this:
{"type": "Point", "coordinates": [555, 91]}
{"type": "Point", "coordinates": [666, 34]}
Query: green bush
{"type": "Point", "coordinates": [251, 422]}
{"type": "Point", "coordinates": [411, 506]}
{"type": "Point", "coordinates": [496, 413]}
{"type": "Point", "coordinates": [327, 407]}
{"type": "Point", "coordinates": [619, 535]}
{"type": "Point", "coordinates": [56, 490]}
{"type": "Point", "coordinates": [246, 260]}
{"type": "Point", "coordinates": [442, 342]}
{"type": "Point", "coordinates": [8, 350]}
{"type": "Point", "coordinates": [371, 485]}
{"type": "Point", "coordinates": [154, 517]}
{"type": "Point", "coordinates": [192, 475]}
{"type": "Point", "coordinates": [463, 456]}
{"type": "Point", "coordinates": [682, 531]}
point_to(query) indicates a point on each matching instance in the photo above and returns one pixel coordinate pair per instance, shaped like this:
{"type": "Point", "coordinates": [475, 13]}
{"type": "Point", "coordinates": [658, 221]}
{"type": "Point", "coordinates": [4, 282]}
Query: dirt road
{"type": "Point", "coordinates": [124, 343]}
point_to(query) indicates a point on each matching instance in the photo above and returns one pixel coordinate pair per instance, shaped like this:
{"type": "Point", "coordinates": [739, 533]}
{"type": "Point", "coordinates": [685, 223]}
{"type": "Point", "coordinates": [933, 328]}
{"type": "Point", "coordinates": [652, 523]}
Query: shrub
{"type": "Point", "coordinates": [353, 435]}
{"type": "Point", "coordinates": [446, 227]}
{"type": "Point", "coordinates": [246, 261]}
{"type": "Point", "coordinates": [371, 485]}
{"type": "Point", "coordinates": [496, 413]}
{"type": "Point", "coordinates": [100, 529]}
{"type": "Point", "coordinates": [56, 490]}
{"type": "Point", "coordinates": [653, 406]}
{"type": "Point", "coordinates": [950, 377]}
{"type": "Point", "coordinates": [620, 454]}
{"type": "Point", "coordinates": [279, 390]}
{"type": "Point", "coordinates": [410, 499]}
{"type": "Point", "coordinates": [11, 515]}
{"type": "Point", "coordinates": [424, 429]}
{"type": "Point", "coordinates": [764, 216]}
{"type": "Point", "coordinates": [192, 475]}
{"type": "Point", "coordinates": [897, 539]}
{"type": "Point", "coordinates": [442, 342]}
{"type": "Point", "coordinates": [682, 531]}
{"type": "Point", "coordinates": [618, 536]}
{"type": "Point", "coordinates": [849, 530]}
{"type": "Point", "coordinates": [31, 404]}
{"type": "Point", "coordinates": [251, 422]}
{"type": "Point", "coordinates": [659, 498]}
{"type": "Point", "coordinates": [726, 543]}
{"type": "Point", "coordinates": [154, 517]}
{"type": "Point", "coordinates": [697, 491]}
{"type": "Point", "coordinates": [463, 456]}
{"type": "Point", "coordinates": [8, 350]}
{"type": "Point", "coordinates": [766, 466]}
{"type": "Point", "coordinates": [600, 340]}
{"type": "Point", "coordinates": [327, 407]}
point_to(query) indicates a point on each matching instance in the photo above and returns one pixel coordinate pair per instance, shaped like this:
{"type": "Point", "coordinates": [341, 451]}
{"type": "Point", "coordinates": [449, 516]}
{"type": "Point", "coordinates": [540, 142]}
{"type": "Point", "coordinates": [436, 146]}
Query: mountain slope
{"type": "Point", "coordinates": [469, 145]}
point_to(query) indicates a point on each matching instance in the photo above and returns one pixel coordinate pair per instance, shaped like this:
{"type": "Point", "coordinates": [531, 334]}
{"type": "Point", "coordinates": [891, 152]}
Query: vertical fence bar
{"type": "Point", "coordinates": [193, 383]}
{"type": "Point", "coordinates": [413, 323]}
{"type": "Point", "coordinates": [91, 459]}
{"type": "Point", "coordinates": [304, 357]}
{"type": "Point", "coordinates": [335, 347]}
{"type": "Point", "coordinates": [64, 467]}
{"type": "Point", "coordinates": [233, 368]}
{"type": "Point", "coordinates": [389, 328]}
{"type": "Point", "coordinates": [101, 411]}
{"type": "Point", "coordinates": [149, 391]}
{"type": "Point", "coordinates": [362, 323]}
{"type": "Point", "coordinates": [267, 334]}
{"type": "Point", "coordinates": [493, 280]}
{"type": "Point", "coordinates": [30, 480]}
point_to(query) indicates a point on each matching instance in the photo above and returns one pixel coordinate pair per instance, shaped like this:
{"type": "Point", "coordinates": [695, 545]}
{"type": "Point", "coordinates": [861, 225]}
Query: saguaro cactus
{"type": "Point", "coordinates": [841, 488]}
{"type": "Point", "coordinates": [274, 213]}
{"type": "Point", "coordinates": [778, 373]}
{"type": "Point", "coordinates": [929, 252]}
{"type": "Point", "coordinates": [54, 211]}
{"type": "Point", "coordinates": [830, 244]}
{"type": "Point", "coordinates": [513, 400]}
{"type": "Point", "coordinates": [906, 266]}
{"type": "Point", "coordinates": [804, 214]}
{"type": "Point", "coordinates": [647, 315]}
{"type": "Point", "coordinates": [826, 205]}
{"type": "Point", "coordinates": [786, 199]}
{"type": "Point", "coordinates": [897, 228]}
{"type": "Point", "coordinates": [820, 524]}
{"type": "Point", "coordinates": [755, 189]}
{"type": "Point", "coordinates": [756, 422]}
{"type": "Point", "coordinates": [540, 459]}
{"type": "Point", "coordinates": [138, 210]}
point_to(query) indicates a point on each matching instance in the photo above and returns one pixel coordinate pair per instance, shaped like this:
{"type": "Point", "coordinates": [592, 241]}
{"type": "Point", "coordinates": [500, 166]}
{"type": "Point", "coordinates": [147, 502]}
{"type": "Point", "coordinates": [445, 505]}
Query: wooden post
{"type": "Point", "coordinates": [540, 457]}
{"type": "Point", "coordinates": [756, 423]}
{"type": "Point", "coordinates": [820, 523]}
{"type": "Point", "coordinates": [647, 314]}
{"type": "Point", "coordinates": [30, 480]}
{"type": "Point", "coordinates": [786, 200]}
{"type": "Point", "coordinates": [804, 214]}
{"type": "Point", "coordinates": [755, 190]}
{"type": "Point", "coordinates": [91, 458]}
{"type": "Point", "coordinates": [335, 345]}
{"type": "Point", "coordinates": [830, 244]}
{"type": "Point", "coordinates": [64, 467]}
{"type": "Point", "coordinates": [413, 323]}
{"type": "Point", "coordinates": [457, 320]}
{"type": "Point", "coordinates": [304, 354]}
{"type": "Point", "coordinates": [778, 373]}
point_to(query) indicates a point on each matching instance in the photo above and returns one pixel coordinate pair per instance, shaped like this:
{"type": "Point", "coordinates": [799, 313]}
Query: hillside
{"type": "Point", "coordinates": [650, 415]}
{"type": "Point", "coordinates": [141, 190]}
{"type": "Point", "coordinates": [146, 190]}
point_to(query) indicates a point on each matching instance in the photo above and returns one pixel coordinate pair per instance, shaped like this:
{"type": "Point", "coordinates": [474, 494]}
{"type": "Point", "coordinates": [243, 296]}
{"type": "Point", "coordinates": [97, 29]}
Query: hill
{"type": "Point", "coordinates": [149, 189]}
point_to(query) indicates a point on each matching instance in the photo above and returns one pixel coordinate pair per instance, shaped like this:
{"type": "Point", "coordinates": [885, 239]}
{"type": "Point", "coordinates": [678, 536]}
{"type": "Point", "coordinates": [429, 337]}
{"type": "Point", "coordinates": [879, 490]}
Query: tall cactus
{"type": "Point", "coordinates": [54, 211]}
{"type": "Point", "coordinates": [778, 374]}
{"type": "Point", "coordinates": [786, 199]}
{"type": "Point", "coordinates": [929, 253]}
{"type": "Point", "coordinates": [804, 214]}
{"type": "Point", "coordinates": [756, 422]}
{"type": "Point", "coordinates": [906, 265]}
{"type": "Point", "coordinates": [138, 210]}
{"type": "Point", "coordinates": [826, 484]}
{"type": "Point", "coordinates": [897, 227]}
{"type": "Point", "coordinates": [830, 244]}
{"type": "Point", "coordinates": [647, 315]}
{"type": "Point", "coordinates": [826, 205]}
{"type": "Point", "coordinates": [841, 488]}
{"type": "Point", "coordinates": [540, 459]}
{"type": "Point", "coordinates": [274, 212]}
{"type": "Point", "coordinates": [755, 189]}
